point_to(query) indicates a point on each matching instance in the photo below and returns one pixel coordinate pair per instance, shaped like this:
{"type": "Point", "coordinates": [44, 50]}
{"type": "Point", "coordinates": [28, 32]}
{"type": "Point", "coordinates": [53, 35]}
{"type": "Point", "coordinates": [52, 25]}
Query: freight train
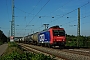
{"type": "Point", "coordinates": [54, 36]}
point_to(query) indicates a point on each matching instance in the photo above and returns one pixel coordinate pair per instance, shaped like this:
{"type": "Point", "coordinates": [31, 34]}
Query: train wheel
{"type": "Point", "coordinates": [53, 46]}
{"type": "Point", "coordinates": [61, 47]}
{"type": "Point", "coordinates": [46, 45]}
{"type": "Point", "coordinates": [38, 44]}
{"type": "Point", "coordinates": [43, 45]}
{"type": "Point", "coordinates": [50, 46]}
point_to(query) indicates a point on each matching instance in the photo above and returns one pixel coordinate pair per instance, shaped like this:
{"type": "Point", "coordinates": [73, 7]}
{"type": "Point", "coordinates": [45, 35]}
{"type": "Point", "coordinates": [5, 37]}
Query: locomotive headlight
{"type": "Point", "coordinates": [63, 40]}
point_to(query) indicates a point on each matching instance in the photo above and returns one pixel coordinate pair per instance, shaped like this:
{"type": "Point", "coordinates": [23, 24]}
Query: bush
{"type": "Point", "coordinates": [1, 43]}
{"type": "Point", "coordinates": [25, 56]}
{"type": "Point", "coordinates": [14, 53]}
{"type": "Point", "coordinates": [12, 44]}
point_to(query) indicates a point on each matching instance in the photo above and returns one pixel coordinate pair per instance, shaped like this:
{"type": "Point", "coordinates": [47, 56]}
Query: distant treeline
{"type": "Point", "coordinates": [3, 38]}
{"type": "Point", "coordinates": [81, 41]}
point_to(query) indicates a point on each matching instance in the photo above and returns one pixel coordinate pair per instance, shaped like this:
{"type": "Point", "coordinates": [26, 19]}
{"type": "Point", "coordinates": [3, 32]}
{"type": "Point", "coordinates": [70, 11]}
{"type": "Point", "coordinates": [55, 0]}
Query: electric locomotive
{"type": "Point", "coordinates": [54, 36]}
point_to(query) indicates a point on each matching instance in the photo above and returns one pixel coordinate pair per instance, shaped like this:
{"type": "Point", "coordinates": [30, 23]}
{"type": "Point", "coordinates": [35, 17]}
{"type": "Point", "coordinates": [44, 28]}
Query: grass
{"type": "Point", "coordinates": [13, 52]}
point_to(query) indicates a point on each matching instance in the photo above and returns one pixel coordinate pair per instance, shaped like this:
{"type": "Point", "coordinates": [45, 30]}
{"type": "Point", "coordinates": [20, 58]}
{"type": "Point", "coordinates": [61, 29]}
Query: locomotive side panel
{"type": "Point", "coordinates": [44, 37]}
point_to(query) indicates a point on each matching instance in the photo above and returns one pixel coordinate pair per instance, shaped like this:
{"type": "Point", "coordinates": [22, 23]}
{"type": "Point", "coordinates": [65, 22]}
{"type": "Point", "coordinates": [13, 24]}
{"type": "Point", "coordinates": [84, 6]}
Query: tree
{"type": "Point", "coordinates": [3, 38]}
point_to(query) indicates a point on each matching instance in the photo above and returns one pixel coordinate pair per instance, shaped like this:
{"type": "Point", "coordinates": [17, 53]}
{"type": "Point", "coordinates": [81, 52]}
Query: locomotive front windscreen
{"type": "Point", "coordinates": [58, 33]}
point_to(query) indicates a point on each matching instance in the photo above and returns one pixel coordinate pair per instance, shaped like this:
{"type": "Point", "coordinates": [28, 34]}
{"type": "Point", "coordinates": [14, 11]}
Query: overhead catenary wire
{"type": "Point", "coordinates": [75, 20]}
{"type": "Point", "coordinates": [69, 13]}
{"type": "Point", "coordinates": [61, 6]}
{"type": "Point", "coordinates": [23, 11]}
{"type": "Point", "coordinates": [31, 10]}
{"type": "Point", "coordinates": [36, 5]}
{"type": "Point", "coordinates": [56, 10]}
{"type": "Point", "coordinates": [38, 12]}
{"type": "Point", "coordinates": [60, 16]}
{"type": "Point", "coordinates": [27, 12]}
{"type": "Point", "coordinates": [7, 9]}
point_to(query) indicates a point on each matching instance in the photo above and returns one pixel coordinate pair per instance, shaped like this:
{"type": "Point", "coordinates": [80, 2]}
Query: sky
{"type": "Point", "coordinates": [30, 15]}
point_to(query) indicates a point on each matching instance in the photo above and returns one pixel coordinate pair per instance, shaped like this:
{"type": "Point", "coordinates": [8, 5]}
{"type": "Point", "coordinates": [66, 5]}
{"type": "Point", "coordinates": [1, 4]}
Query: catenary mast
{"type": "Point", "coordinates": [13, 21]}
{"type": "Point", "coordinates": [78, 28]}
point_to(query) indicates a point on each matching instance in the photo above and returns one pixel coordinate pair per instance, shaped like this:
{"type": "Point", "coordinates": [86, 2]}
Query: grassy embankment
{"type": "Point", "coordinates": [13, 52]}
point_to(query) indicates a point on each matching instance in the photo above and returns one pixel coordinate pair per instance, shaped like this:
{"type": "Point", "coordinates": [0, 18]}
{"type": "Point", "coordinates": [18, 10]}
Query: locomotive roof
{"type": "Point", "coordinates": [55, 26]}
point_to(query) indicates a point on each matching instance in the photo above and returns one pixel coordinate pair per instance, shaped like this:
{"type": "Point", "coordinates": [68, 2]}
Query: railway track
{"type": "Point", "coordinates": [31, 48]}
{"type": "Point", "coordinates": [64, 54]}
{"type": "Point", "coordinates": [85, 52]}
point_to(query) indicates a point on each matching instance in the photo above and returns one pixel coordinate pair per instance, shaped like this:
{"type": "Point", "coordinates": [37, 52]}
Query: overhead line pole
{"type": "Point", "coordinates": [13, 21]}
{"type": "Point", "coordinates": [78, 21]}
{"type": "Point", "coordinates": [78, 28]}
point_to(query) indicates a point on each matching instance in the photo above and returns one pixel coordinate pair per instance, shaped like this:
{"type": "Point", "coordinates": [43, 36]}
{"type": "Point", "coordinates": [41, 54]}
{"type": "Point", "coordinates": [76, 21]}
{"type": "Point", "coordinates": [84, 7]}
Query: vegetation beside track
{"type": "Point", "coordinates": [84, 41]}
{"type": "Point", "coordinates": [13, 52]}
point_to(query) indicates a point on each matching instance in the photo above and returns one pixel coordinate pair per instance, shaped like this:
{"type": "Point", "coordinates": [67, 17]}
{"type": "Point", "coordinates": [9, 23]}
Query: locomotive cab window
{"type": "Point", "coordinates": [58, 33]}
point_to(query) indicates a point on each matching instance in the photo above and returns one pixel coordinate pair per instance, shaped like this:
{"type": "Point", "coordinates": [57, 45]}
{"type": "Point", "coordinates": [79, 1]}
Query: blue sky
{"type": "Point", "coordinates": [27, 13]}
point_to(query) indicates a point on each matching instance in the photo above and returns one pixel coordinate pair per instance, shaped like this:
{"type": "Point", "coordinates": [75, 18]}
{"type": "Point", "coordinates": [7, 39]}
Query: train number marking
{"type": "Point", "coordinates": [42, 37]}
